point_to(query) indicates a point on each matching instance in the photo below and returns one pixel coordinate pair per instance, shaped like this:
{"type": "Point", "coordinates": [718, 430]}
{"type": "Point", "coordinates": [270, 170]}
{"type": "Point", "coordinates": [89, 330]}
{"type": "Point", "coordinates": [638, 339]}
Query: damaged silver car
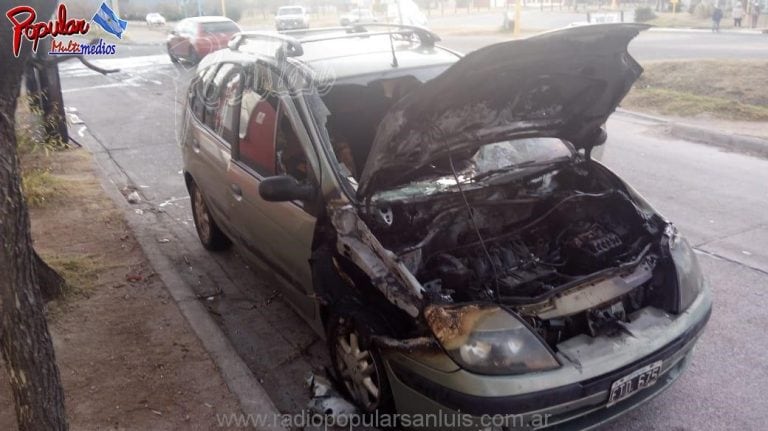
{"type": "Point", "coordinates": [440, 219]}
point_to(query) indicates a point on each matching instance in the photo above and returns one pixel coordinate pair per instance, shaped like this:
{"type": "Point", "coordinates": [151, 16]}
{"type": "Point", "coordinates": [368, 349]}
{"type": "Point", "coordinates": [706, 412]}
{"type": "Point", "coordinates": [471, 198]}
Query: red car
{"type": "Point", "coordinates": [194, 38]}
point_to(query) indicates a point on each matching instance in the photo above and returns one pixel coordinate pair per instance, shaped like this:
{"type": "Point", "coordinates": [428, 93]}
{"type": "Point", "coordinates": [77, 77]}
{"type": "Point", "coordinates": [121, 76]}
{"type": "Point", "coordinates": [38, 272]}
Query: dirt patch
{"type": "Point", "coordinates": [730, 90]}
{"type": "Point", "coordinates": [127, 357]}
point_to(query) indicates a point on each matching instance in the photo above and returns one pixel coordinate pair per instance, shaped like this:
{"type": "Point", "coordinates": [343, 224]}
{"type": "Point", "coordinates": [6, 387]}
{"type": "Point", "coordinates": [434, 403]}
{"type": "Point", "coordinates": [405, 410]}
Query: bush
{"type": "Point", "coordinates": [643, 14]}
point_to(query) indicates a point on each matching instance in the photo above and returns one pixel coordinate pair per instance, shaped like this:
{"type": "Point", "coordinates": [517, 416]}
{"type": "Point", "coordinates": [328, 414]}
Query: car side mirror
{"type": "Point", "coordinates": [283, 188]}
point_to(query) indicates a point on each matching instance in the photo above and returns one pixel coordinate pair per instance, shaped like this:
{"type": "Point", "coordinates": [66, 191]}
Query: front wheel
{"type": "Point", "coordinates": [358, 365]}
{"type": "Point", "coordinates": [208, 231]}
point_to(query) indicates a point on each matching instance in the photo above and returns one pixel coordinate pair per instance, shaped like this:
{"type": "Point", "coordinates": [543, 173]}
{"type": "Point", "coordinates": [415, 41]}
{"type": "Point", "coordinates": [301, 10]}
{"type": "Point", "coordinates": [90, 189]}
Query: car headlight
{"type": "Point", "coordinates": [487, 339]}
{"type": "Point", "coordinates": [690, 280]}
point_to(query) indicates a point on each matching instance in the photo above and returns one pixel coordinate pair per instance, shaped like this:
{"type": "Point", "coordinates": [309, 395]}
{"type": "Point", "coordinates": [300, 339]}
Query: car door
{"type": "Point", "coordinates": [209, 140]}
{"type": "Point", "coordinates": [280, 233]}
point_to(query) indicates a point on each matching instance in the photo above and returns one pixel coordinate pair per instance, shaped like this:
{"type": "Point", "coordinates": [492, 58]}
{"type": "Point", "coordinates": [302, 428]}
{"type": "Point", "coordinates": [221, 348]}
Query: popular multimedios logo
{"type": "Point", "coordinates": [25, 25]}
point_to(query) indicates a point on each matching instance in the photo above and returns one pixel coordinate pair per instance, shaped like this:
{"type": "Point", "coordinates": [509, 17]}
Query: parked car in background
{"type": "Point", "coordinates": [460, 250]}
{"type": "Point", "coordinates": [291, 18]}
{"type": "Point", "coordinates": [194, 38]}
{"type": "Point", "coordinates": [155, 19]}
{"type": "Point", "coordinates": [358, 16]}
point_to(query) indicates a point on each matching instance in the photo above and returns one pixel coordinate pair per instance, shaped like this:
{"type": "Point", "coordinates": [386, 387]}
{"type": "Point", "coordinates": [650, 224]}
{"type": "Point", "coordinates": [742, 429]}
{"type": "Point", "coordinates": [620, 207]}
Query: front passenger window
{"type": "Point", "coordinates": [290, 157]}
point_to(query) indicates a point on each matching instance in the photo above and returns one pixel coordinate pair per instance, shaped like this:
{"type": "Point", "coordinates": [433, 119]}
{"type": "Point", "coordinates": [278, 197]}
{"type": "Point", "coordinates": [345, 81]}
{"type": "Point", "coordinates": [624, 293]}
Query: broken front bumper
{"type": "Point", "coordinates": [575, 395]}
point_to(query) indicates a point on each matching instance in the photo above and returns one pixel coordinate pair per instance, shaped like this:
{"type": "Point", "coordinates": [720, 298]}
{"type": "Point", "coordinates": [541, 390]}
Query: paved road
{"type": "Point", "coordinates": [649, 46]}
{"type": "Point", "coordinates": [531, 18]}
{"type": "Point", "coordinates": [719, 199]}
{"type": "Point", "coordinates": [661, 45]}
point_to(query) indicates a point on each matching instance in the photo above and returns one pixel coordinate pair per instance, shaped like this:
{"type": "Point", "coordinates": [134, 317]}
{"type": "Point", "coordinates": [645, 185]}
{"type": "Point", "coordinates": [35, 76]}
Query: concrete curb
{"type": "Point", "coordinates": [705, 30]}
{"type": "Point", "coordinates": [252, 397]}
{"type": "Point", "coordinates": [750, 145]}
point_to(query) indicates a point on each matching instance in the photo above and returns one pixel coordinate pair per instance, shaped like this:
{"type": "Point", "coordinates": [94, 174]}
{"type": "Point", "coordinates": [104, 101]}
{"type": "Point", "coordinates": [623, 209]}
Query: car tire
{"type": "Point", "coordinates": [174, 59]}
{"type": "Point", "coordinates": [193, 57]}
{"type": "Point", "coordinates": [208, 231]}
{"type": "Point", "coordinates": [358, 365]}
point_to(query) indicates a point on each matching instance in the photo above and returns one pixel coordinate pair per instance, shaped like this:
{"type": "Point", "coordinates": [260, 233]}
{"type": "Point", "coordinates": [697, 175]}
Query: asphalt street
{"type": "Point", "coordinates": [661, 44]}
{"type": "Point", "coordinates": [718, 199]}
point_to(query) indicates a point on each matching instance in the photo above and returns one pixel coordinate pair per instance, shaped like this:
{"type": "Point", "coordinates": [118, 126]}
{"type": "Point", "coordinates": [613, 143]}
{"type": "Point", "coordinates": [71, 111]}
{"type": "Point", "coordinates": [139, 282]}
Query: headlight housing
{"type": "Point", "coordinates": [487, 339]}
{"type": "Point", "coordinates": [690, 281]}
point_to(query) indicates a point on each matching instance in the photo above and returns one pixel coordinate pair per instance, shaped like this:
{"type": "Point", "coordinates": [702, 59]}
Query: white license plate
{"type": "Point", "coordinates": [632, 383]}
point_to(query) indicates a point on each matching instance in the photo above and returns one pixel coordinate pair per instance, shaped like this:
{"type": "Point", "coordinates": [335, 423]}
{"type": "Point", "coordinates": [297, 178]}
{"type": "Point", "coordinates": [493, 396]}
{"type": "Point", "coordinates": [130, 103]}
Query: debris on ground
{"type": "Point", "coordinates": [133, 278]}
{"type": "Point", "coordinates": [325, 400]}
{"type": "Point", "coordinates": [133, 197]}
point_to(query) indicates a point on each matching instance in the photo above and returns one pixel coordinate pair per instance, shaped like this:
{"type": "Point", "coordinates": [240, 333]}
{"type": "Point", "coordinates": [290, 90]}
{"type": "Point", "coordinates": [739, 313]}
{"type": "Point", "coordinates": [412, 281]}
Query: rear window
{"type": "Point", "coordinates": [220, 27]}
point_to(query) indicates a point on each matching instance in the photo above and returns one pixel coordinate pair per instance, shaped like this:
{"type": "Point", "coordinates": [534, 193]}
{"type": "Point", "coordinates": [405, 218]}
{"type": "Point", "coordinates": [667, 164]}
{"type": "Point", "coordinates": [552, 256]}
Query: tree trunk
{"type": "Point", "coordinates": [26, 344]}
{"type": "Point", "coordinates": [51, 283]}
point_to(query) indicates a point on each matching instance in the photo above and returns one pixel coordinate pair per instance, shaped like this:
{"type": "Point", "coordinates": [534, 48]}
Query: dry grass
{"type": "Point", "coordinates": [81, 271]}
{"type": "Point", "coordinates": [730, 90]}
{"type": "Point", "coordinates": [40, 186]}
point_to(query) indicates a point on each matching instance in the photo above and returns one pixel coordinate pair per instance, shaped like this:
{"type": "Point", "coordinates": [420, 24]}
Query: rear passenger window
{"type": "Point", "coordinates": [214, 94]}
{"type": "Point", "coordinates": [228, 115]}
{"type": "Point", "coordinates": [197, 89]}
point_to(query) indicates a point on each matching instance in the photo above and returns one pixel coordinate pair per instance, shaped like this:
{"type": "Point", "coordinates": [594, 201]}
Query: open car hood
{"type": "Point", "coordinates": [562, 84]}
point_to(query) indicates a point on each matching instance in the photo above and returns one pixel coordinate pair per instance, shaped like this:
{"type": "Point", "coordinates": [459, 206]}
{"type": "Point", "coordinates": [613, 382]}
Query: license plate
{"type": "Point", "coordinates": [630, 384]}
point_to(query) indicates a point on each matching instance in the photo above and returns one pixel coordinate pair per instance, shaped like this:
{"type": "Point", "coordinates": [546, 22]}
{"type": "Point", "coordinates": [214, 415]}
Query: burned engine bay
{"type": "Point", "coordinates": [533, 242]}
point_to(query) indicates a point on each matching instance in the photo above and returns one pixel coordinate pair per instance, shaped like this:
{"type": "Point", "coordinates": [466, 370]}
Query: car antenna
{"type": "Point", "coordinates": [477, 230]}
{"type": "Point", "coordinates": [392, 47]}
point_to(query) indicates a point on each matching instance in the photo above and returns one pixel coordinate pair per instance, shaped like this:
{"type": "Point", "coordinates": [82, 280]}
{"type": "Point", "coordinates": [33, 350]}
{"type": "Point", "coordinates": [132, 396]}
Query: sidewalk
{"type": "Point", "coordinates": [127, 357]}
{"type": "Point", "coordinates": [738, 136]}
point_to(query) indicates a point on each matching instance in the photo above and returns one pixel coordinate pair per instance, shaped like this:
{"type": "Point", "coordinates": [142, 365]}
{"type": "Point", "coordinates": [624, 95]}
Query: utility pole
{"type": "Point", "coordinates": [223, 7]}
{"type": "Point", "coordinates": [517, 17]}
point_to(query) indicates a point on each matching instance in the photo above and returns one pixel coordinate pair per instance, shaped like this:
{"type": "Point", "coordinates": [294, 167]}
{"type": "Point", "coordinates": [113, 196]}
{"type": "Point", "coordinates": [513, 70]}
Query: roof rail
{"type": "Point", "coordinates": [289, 46]}
{"type": "Point", "coordinates": [290, 42]}
{"type": "Point", "coordinates": [425, 35]}
{"type": "Point", "coordinates": [306, 32]}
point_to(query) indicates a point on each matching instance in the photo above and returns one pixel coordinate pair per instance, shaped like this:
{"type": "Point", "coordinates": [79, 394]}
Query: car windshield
{"type": "Point", "coordinates": [489, 163]}
{"type": "Point", "coordinates": [290, 11]}
{"type": "Point", "coordinates": [220, 27]}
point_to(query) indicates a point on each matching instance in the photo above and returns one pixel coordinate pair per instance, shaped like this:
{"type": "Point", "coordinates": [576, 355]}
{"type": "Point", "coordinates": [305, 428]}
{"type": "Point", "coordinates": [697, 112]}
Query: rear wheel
{"type": "Point", "coordinates": [174, 59]}
{"type": "Point", "coordinates": [193, 57]}
{"type": "Point", "coordinates": [208, 231]}
{"type": "Point", "coordinates": [358, 365]}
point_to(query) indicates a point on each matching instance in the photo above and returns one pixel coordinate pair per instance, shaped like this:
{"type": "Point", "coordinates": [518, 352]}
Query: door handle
{"type": "Point", "coordinates": [237, 192]}
{"type": "Point", "coordinates": [195, 145]}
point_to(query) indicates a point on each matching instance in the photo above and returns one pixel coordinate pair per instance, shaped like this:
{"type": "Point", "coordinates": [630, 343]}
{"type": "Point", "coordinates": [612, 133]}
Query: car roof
{"type": "Point", "coordinates": [204, 19]}
{"type": "Point", "coordinates": [356, 55]}
{"type": "Point", "coordinates": [363, 56]}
